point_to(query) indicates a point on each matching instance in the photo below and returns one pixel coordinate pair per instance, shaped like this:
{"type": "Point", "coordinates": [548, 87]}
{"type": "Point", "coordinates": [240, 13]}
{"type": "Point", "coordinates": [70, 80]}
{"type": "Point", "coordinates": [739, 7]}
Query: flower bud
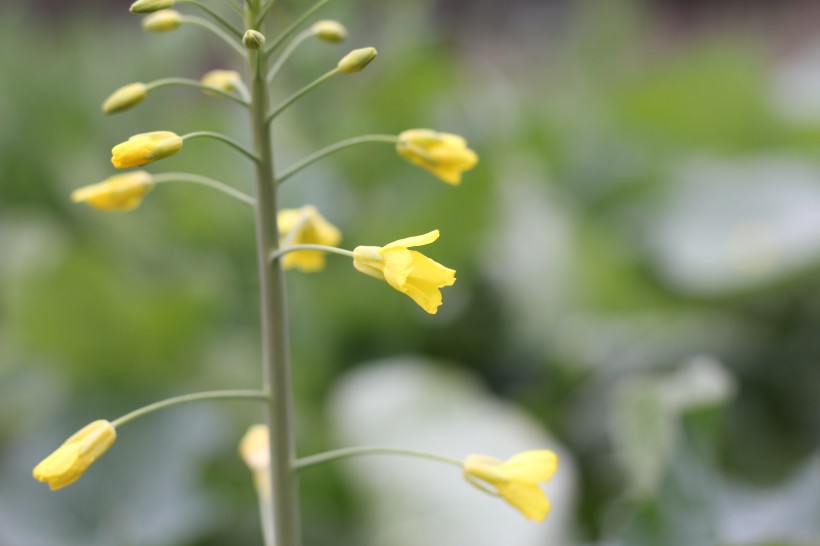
{"type": "Point", "coordinates": [148, 6]}
{"type": "Point", "coordinates": [124, 98]}
{"type": "Point", "coordinates": [224, 80]}
{"type": "Point", "coordinates": [68, 462]}
{"type": "Point", "coordinates": [330, 31]}
{"type": "Point", "coordinates": [144, 148]}
{"type": "Point", "coordinates": [162, 21]}
{"type": "Point", "coordinates": [253, 39]}
{"type": "Point", "coordinates": [356, 60]}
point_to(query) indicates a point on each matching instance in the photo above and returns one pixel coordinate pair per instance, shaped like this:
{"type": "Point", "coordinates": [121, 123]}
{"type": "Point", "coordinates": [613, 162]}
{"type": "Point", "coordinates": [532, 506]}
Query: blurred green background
{"type": "Point", "coordinates": [638, 257]}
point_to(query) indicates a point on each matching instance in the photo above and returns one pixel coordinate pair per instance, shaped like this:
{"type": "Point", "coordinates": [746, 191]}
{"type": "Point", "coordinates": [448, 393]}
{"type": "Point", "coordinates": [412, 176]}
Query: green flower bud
{"type": "Point", "coordinates": [162, 21]}
{"type": "Point", "coordinates": [356, 60]}
{"type": "Point", "coordinates": [330, 31]}
{"type": "Point", "coordinates": [124, 98]}
{"type": "Point", "coordinates": [148, 6]}
{"type": "Point", "coordinates": [253, 40]}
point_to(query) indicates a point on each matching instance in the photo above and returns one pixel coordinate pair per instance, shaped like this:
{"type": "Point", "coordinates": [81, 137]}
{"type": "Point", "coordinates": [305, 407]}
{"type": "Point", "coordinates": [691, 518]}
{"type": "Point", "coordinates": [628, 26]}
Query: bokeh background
{"type": "Point", "coordinates": [638, 257]}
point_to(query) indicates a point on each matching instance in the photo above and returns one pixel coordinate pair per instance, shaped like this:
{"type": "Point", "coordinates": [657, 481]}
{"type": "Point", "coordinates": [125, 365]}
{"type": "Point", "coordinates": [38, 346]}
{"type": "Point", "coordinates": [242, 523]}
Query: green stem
{"type": "Point", "coordinates": [218, 18]}
{"type": "Point", "coordinates": [185, 398]}
{"type": "Point", "coordinates": [226, 139]}
{"type": "Point", "coordinates": [345, 453]}
{"type": "Point", "coordinates": [204, 181]}
{"type": "Point", "coordinates": [185, 82]}
{"type": "Point", "coordinates": [301, 37]}
{"type": "Point", "coordinates": [293, 98]}
{"type": "Point", "coordinates": [294, 27]}
{"type": "Point", "coordinates": [275, 351]}
{"type": "Point", "coordinates": [274, 256]}
{"type": "Point", "coordinates": [225, 37]}
{"type": "Point", "coordinates": [296, 167]}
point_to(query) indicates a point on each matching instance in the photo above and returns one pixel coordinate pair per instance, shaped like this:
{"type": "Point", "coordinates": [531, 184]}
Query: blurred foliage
{"type": "Point", "coordinates": [581, 285]}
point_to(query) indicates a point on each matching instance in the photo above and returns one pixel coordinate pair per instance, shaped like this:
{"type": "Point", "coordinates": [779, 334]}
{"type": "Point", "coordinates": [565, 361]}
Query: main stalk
{"type": "Point", "coordinates": [275, 352]}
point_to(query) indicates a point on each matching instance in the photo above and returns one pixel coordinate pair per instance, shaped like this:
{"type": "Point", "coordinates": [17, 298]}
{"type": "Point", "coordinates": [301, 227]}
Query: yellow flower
{"type": "Point", "coordinates": [407, 271]}
{"type": "Point", "coordinates": [516, 480]}
{"type": "Point", "coordinates": [253, 448]}
{"type": "Point", "coordinates": [70, 460]}
{"type": "Point", "coordinates": [305, 226]}
{"type": "Point", "coordinates": [124, 98]}
{"type": "Point", "coordinates": [144, 148]}
{"type": "Point", "coordinates": [224, 80]}
{"type": "Point", "coordinates": [117, 193]}
{"type": "Point", "coordinates": [443, 154]}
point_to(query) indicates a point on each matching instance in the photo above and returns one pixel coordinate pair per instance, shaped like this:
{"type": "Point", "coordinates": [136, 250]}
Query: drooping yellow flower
{"type": "Point", "coordinates": [253, 448]}
{"type": "Point", "coordinates": [305, 226]}
{"type": "Point", "coordinates": [517, 479]}
{"type": "Point", "coordinates": [408, 271]}
{"type": "Point", "coordinates": [224, 80]}
{"type": "Point", "coordinates": [125, 97]}
{"type": "Point", "coordinates": [117, 193]}
{"type": "Point", "coordinates": [70, 460]}
{"type": "Point", "coordinates": [443, 154]}
{"type": "Point", "coordinates": [144, 148]}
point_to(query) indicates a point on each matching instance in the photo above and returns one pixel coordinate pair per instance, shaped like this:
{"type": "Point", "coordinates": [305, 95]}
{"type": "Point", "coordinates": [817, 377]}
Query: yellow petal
{"type": "Point", "coordinates": [529, 499]}
{"type": "Point", "coordinates": [417, 240]}
{"type": "Point", "coordinates": [531, 466]}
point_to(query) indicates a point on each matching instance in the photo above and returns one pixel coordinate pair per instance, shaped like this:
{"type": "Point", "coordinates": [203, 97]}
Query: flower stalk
{"type": "Point", "coordinates": [275, 351]}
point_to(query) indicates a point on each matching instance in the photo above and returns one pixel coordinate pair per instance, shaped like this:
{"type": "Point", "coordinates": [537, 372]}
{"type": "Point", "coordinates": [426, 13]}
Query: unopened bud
{"type": "Point", "coordinates": [356, 60]}
{"type": "Point", "coordinates": [330, 31]}
{"type": "Point", "coordinates": [124, 98]}
{"type": "Point", "coordinates": [162, 21]}
{"type": "Point", "coordinates": [253, 39]}
{"type": "Point", "coordinates": [148, 6]}
{"type": "Point", "coordinates": [224, 80]}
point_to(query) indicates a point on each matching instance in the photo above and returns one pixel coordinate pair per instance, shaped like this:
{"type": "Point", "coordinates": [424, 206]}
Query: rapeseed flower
{"type": "Point", "coordinates": [443, 154]}
{"type": "Point", "coordinates": [517, 479]}
{"type": "Point", "coordinates": [117, 193]}
{"type": "Point", "coordinates": [408, 271]}
{"type": "Point", "coordinates": [305, 226]}
{"type": "Point", "coordinates": [68, 462]}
